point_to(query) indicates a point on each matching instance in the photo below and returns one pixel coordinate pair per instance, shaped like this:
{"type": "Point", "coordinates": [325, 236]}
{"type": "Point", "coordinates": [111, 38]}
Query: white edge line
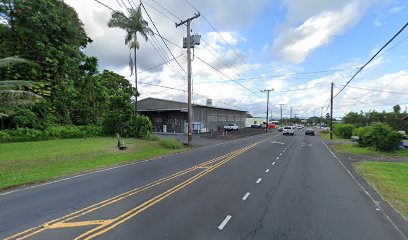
{"type": "Point", "coordinates": [245, 196]}
{"type": "Point", "coordinates": [259, 180]}
{"type": "Point", "coordinates": [367, 193]}
{"type": "Point", "coordinates": [226, 220]}
{"type": "Point", "coordinates": [120, 166]}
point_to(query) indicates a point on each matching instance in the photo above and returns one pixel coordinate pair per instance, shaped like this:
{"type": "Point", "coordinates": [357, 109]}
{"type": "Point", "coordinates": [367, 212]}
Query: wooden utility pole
{"type": "Point", "coordinates": [281, 104]}
{"type": "Point", "coordinates": [190, 106]}
{"type": "Point", "coordinates": [267, 107]}
{"type": "Point", "coordinates": [331, 111]}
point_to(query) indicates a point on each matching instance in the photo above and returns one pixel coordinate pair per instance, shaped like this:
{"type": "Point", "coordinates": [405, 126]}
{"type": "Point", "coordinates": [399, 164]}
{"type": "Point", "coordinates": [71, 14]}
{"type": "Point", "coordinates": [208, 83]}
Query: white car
{"type": "Point", "coordinates": [288, 130]}
{"type": "Point", "coordinates": [231, 127]}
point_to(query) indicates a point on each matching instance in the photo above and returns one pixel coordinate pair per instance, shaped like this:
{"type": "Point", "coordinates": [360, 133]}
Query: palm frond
{"type": "Point", "coordinates": [18, 97]}
{"type": "Point", "coordinates": [9, 61]}
{"type": "Point", "coordinates": [12, 84]}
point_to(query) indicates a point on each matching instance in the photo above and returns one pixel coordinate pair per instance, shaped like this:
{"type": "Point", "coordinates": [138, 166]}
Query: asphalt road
{"type": "Point", "coordinates": [263, 187]}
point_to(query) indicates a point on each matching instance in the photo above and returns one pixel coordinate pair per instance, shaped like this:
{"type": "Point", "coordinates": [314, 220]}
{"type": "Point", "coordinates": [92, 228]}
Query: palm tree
{"type": "Point", "coordinates": [11, 91]}
{"type": "Point", "coordinates": [132, 24]}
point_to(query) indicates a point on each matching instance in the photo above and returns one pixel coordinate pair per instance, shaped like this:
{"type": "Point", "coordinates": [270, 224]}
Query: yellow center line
{"type": "Point", "coordinates": [62, 221]}
{"type": "Point", "coordinates": [149, 203]}
{"type": "Point", "coordinates": [80, 224]}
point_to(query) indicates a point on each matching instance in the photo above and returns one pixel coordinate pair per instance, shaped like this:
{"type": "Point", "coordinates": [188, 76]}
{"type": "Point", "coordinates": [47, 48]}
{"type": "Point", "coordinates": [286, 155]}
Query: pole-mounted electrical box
{"type": "Point", "coordinates": [195, 40]}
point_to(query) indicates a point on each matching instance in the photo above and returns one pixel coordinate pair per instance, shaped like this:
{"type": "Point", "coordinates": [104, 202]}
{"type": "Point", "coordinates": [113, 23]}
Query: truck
{"type": "Point", "coordinates": [231, 127]}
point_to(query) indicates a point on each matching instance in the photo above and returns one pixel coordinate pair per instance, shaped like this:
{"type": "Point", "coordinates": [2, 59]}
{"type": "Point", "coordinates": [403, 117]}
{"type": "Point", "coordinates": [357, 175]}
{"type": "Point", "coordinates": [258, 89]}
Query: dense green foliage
{"type": "Point", "coordinates": [393, 119]}
{"type": "Point", "coordinates": [68, 131]}
{"type": "Point", "coordinates": [170, 143]}
{"type": "Point", "coordinates": [379, 136]}
{"type": "Point", "coordinates": [343, 130]}
{"type": "Point", "coordinates": [48, 38]}
{"type": "Point", "coordinates": [138, 126]}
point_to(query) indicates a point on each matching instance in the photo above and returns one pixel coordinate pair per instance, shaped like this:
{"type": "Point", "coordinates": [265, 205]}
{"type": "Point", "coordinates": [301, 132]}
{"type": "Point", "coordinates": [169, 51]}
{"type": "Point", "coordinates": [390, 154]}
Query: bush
{"type": "Point", "coordinates": [380, 136]}
{"type": "Point", "coordinates": [343, 130]}
{"type": "Point", "coordinates": [324, 131]}
{"type": "Point", "coordinates": [170, 143]}
{"type": "Point", "coordinates": [28, 134]}
{"type": "Point", "coordinates": [138, 126]}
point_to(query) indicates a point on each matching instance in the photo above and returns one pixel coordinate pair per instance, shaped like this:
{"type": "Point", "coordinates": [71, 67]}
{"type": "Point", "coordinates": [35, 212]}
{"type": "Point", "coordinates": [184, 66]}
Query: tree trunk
{"type": "Point", "coordinates": [135, 58]}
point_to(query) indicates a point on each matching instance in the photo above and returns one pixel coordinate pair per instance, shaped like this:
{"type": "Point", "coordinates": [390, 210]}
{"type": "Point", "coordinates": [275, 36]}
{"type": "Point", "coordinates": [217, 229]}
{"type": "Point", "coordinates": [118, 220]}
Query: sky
{"type": "Point", "coordinates": [295, 47]}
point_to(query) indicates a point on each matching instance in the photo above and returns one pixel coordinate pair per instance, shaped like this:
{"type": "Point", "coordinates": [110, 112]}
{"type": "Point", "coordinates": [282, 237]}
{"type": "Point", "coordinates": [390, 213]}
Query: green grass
{"type": "Point", "coordinates": [355, 149]}
{"type": "Point", "coordinates": [30, 162]}
{"type": "Point", "coordinates": [390, 180]}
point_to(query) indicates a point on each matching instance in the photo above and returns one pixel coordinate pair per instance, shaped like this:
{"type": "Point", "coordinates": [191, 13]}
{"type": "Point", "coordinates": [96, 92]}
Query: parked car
{"type": "Point", "coordinates": [280, 129]}
{"type": "Point", "coordinates": [310, 132]}
{"type": "Point", "coordinates": [231, 127]}
{"type": "Point", "coordinates": [288, 130]}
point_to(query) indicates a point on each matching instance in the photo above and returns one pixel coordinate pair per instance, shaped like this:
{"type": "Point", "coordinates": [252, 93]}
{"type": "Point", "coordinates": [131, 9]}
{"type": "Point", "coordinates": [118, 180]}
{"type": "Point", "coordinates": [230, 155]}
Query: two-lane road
{"type": "Point", "coordinates": [263, 187]}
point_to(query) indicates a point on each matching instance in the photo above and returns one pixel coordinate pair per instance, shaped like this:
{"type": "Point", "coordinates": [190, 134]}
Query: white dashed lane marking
{"type": "Point", "coordinates": [245, 196]}
{"type": "Point", "coordinates": [226, 220]}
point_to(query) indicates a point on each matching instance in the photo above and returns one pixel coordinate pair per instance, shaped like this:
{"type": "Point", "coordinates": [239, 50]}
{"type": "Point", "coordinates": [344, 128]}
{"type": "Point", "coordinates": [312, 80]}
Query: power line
{"type": "Point", "coordinates": [375, 90]}
{"type": "Point", "coordinates": [161, 64]}
{"type": "Point", "coordinates": [165, 9]}
{"type": "Point", "coordinates": [218, 33]}
{"type": "Point", "coordinates": [372, 58]}
{"type": "Point", "coordinates": [216, 69]}
{"type": "Point", "coordinates": [103, 4]}
{"type": "Point", "coordinates": [141, 3]}
{"type": "Point", "coordinates": [182, 90]}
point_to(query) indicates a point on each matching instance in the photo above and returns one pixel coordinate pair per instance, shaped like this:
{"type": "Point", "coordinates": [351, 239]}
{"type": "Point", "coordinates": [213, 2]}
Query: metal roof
{"type": "Point", "coordinates": [156, 104]}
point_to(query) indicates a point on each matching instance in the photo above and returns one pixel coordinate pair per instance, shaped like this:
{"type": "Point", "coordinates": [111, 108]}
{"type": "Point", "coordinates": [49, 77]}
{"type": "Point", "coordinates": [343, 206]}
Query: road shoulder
{"type": "Point", "coordinates": [347, 160]}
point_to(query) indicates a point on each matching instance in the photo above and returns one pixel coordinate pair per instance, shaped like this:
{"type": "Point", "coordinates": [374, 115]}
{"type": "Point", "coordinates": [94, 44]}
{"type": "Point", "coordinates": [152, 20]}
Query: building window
{"type": "Point", "coordinates": [255, 122]}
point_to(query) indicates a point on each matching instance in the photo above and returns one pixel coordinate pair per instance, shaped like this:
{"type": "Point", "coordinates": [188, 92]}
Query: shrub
{"type": "Point", "coordinates": [380, 136]}
{"type": "Point", "coordinates": [343, 130]}
{"type": "Point", "coordinates": [4, 136]}
{"type": "Point", "coordinates": [28, 134]}
{"type": "Point", "coordinates": [170, 143]}
{"type": "Point", "coordinates": [324, 131]}
{"type": "Point", "coordinates": [138, 126]}
{"type": "Point", "coordinates": [390, 143]}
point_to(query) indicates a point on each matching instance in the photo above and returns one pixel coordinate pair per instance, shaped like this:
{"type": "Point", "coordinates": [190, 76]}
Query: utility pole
{"type": "Point", "coordinates": [290, 113]}
{"type": "Point", "coordinates": [267, 107]}
{"type": "Point", "coordinates": [190, 106]}
{"type": "Point", "coordinates": [321, 117]}
{"type": "Point", "coordinates": [281, 104]}
{"type": "Point", "coordinates": [331, 111]}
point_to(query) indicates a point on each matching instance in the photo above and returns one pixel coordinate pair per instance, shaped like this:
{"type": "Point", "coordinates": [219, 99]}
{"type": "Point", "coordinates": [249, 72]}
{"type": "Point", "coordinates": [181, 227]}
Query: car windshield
{"type": "Point", "coordinates": [287, 127]}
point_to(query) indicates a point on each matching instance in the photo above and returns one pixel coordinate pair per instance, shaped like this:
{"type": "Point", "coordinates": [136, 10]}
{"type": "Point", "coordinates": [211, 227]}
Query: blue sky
{"type": "Point", "coordinates": [280, 38]}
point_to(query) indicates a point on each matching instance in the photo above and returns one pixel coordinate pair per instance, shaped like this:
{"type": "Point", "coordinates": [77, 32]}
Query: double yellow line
{"type": "Point", "coordinates": [106, 225]}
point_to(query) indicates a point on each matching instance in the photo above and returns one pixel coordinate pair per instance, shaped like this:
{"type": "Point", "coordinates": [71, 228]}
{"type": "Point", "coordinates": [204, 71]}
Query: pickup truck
{"type": "Point", "coordinates": [231, 127]}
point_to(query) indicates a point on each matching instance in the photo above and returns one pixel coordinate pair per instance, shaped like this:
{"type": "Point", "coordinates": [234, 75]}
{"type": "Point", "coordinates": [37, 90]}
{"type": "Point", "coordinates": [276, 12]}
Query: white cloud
{"type": "Point", "coordinates": [398, 9]}
{"type": "Point", "coordinates": [320, 21]}
{"type": "Point", "coordinates": [295, 44]}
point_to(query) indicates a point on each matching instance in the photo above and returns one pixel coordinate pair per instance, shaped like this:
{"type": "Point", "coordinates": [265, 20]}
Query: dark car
{"type": "Point", "coordinates": [310, 132]}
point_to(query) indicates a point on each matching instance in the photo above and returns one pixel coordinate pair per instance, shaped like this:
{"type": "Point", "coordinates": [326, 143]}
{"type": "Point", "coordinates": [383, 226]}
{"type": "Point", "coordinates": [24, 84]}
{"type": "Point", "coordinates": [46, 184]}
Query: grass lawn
{"type": "Point", "coordinates": [355, 149]}
{"type": "Point", "coordinates": [390, 180]}
{"type": "Point", "coordinates": [29, 162]}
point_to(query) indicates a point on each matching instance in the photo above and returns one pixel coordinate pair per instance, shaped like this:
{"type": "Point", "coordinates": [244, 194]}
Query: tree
{"type": "Point", "coordinates": [12, 92]}
{"type": "Point", "coordinates": [118, 108]}
{"type": "Point", "coordinates": [132, 24]}
{"type": "Point", "coordinates": [397, 109]}
{"type": "Point", "coordinates": [49, 33]}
